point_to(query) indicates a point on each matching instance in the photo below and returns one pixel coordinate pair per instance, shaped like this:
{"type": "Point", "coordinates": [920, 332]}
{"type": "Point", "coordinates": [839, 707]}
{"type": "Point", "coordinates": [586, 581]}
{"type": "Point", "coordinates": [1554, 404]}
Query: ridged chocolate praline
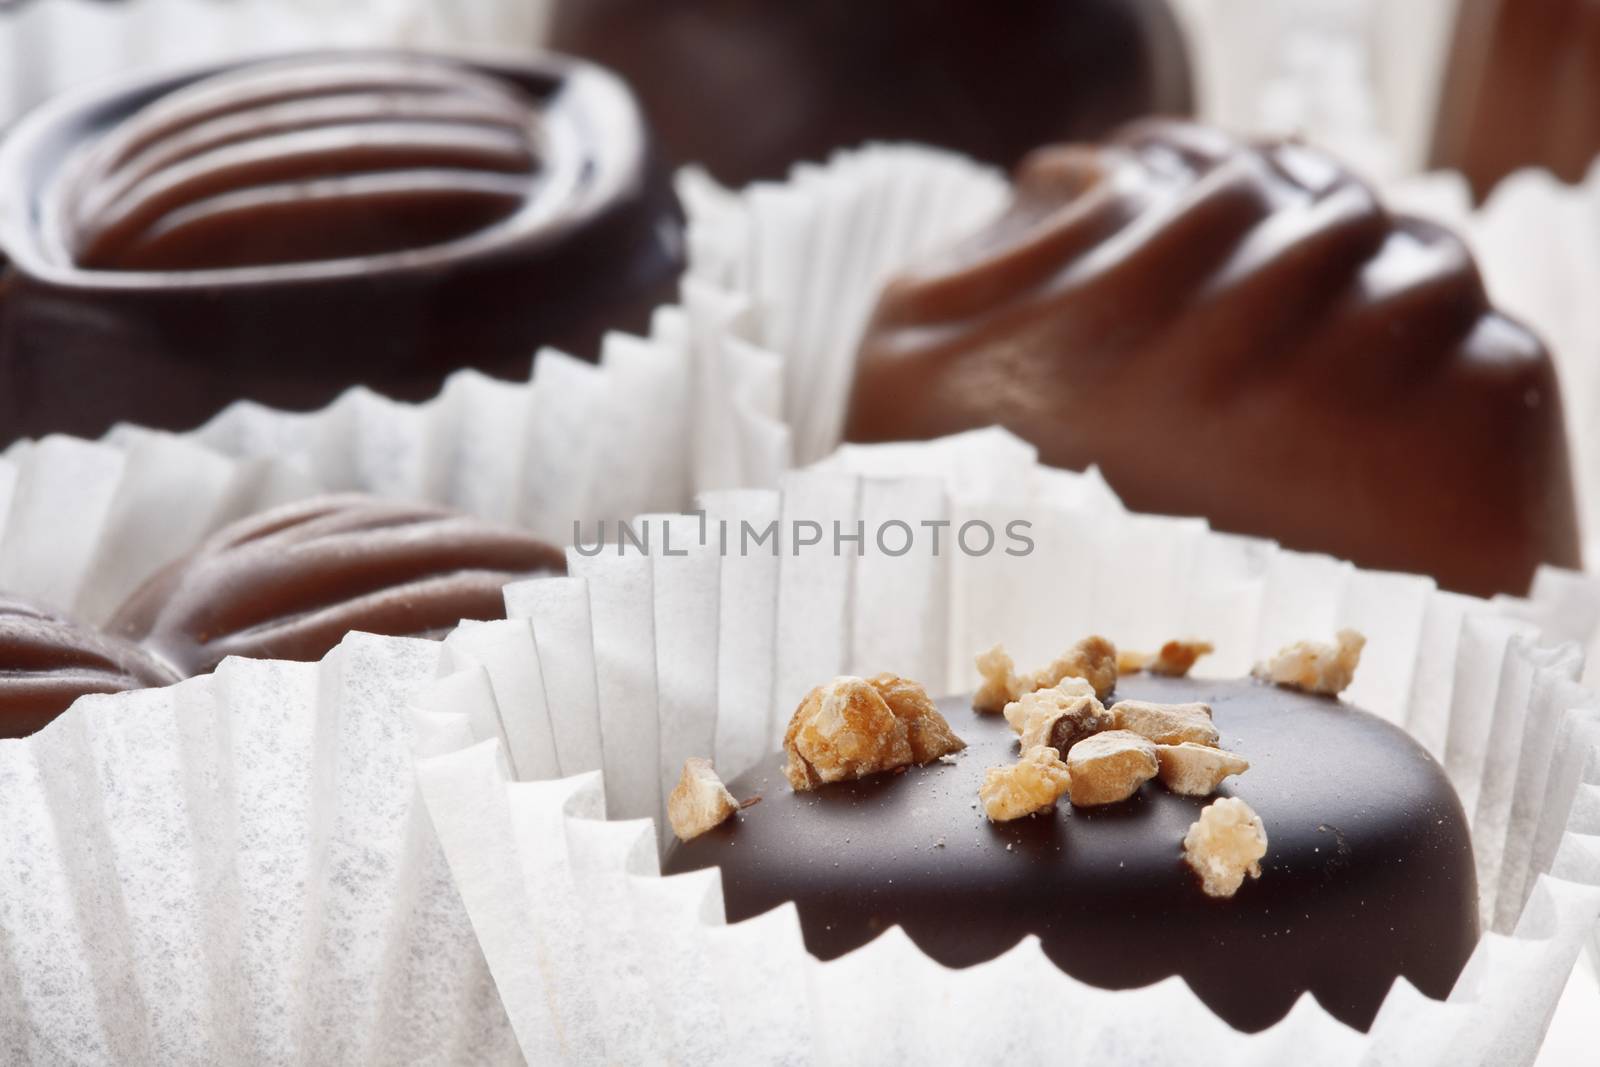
{"type": "Point", "coordinates": [1240, 331]}
{"type": "Point", "coordinates": [47, 662]}
{"type": "Point", "coordinates": [280, 230]}
{"type": "Point", "coordinates": [291, 582]}
{"type": "Point", "coordinates": [1368, 874]}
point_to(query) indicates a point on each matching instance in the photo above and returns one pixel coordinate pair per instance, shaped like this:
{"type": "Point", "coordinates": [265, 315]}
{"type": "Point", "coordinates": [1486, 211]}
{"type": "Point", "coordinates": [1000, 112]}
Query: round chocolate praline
{"type": "Point", "coordinates": [291, 582]}
{"type": "Point", "coordinates": [47, 662]}
{"type": "Point", "coordinates": [1368, 874]}
{"type": "Point", "coordinates": [282, 230]}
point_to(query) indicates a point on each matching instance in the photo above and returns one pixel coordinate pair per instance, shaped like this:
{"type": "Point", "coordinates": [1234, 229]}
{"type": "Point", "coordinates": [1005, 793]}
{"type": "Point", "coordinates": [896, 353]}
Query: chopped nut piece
{"type": "Point", "coordinates": [1093, 659]}
{"type": "Point", "coordinates": [1315, 667]}
{"type": "Point", "coordinates": [1059, 717]}
{"type": "Point", "coordinates": [930, 735]}
{"type": "Point", "coordinates": [1225, 843]}
{"type": "Point", "coordinates": [1131, 662]}
{"type": "Point", "coordinates": [699, 801]}
{"type": "Point", "coordinates": [1196, 770]}
{"type": "Point", "coordinates": [1176, 658]}
{"type": "Point", "coordinates": [1069, 689]}
{"type": "Point", "coordinates": [1166, 724]}
{"type": "Point", "coordinates": [846, 729]}
{"type": "Point", "coordinates": [1109, 767]}
{"type": "Point", "coordinates": [1000, 682]}
{"type": "Point", "coordinates": [1033, 783]}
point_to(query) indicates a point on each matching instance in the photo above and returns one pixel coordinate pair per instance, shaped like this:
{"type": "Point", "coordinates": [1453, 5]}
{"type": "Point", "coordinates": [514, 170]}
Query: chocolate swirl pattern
{"type": "Point", "coordinates": [1240, 331]}
{"type": "Point", "coordinates": [47, 662]}
{"type": "Point", "coordinates": [305, 159]}
{"type": "Point", "coordinates": [290, 583]}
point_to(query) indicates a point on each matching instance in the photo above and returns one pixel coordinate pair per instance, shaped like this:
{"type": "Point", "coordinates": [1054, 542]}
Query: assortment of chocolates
{"type": "Point", "coordinates": [1226, 328]}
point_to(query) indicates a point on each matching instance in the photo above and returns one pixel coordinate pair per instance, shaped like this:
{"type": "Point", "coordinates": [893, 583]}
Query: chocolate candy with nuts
{"type": "Point", "coordinates": [1368, 875]}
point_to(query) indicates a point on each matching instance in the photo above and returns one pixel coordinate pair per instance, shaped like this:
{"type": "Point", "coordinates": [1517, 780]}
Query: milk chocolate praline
{"type": "Point", "coordinates": [1368, 874]}
{"type": "Point", "coordinates": [280, 230]}
{"type": "Point", "coordinates": [291, 582]}
{"type": "Point", "coordinates": [48, 661]}
{"type": "Point", "coordinates": [748, 88]}
{"type": "Point", "coordinates": [1244, 332]}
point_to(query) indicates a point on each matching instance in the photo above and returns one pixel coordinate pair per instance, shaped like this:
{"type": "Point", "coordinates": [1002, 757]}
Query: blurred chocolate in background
{"type": "Point", "coordinates": [1522, 89]}
{"type": "Point", "coordinates": [750, 87]}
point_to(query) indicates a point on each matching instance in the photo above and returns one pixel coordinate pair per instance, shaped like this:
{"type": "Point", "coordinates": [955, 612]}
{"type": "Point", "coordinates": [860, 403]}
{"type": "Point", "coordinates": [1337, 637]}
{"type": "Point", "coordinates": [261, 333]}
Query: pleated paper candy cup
{"type": "Point", "coordinates": [238, 869]}
{"type": "Point", "coordinates": [553, 744]}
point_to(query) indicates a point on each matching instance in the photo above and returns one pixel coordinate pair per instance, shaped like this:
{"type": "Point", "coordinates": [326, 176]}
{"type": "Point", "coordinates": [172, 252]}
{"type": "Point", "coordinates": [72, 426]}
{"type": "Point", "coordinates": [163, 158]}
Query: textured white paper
{"type": "Point", "coordinates": [83, 523]}
{"type": "Point", "coordinates": [47, 46]}
{"type": "Point", "coordinates": [238, 869]}
{"type": "Point", "coordinates": [1473, 679]}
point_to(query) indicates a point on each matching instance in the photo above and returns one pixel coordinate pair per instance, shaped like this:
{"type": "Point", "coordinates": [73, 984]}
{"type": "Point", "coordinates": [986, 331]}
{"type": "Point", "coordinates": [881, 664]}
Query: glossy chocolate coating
{"type": "Point", "coordinates": [750, 87]}
{"type": "Point", "coordinates": [291, 582]}
{"type": "Point", "coordinates": [1241, 332]}
{"type": "Point", "coordinates": [282, 230]}
{"type": "Point", "coordinates": [303, 161]}
{"type": "Point", "coordinates": [1368, 873]}
{"type": "Point", "coordinates": [1520, 90]}
{"type": "Point", "coordinates": [47, 662]}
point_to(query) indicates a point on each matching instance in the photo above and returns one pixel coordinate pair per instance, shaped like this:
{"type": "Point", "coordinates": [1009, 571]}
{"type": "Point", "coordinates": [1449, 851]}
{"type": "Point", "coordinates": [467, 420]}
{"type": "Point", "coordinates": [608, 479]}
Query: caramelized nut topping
{"type": "Point", "coordinates": [1166, 724]}
{"type": "Point", "coordinates": [1033, 783]}
{"type": "Point", "coordinates": [1110, 767]}
{"type": "Point", "coordinates": [1059, 717]}
{"type": "Point", "coordinates": [1131, 662]}
{"type": "Point", "coordinates": [699, 801]}
{"type": "Point", "coordinates": [1315, 667]}
{"type": "Point", "coordinates": [1000, 682]}
{"type": "Point", "coordinates": [1068, 689]}
{"type": "Point", "coordinates": [1225, 844]}
{"type": "Point", "coordinates": [1196, 770]}
{"type": "Point", "coordinates": [849, 729]}
{"type": "Point", "coordinates": [1175, 659]}
{"type": "Point", "coordinates": [1093, 659]}
{"type": "Point", "coordinates": [927, 731]}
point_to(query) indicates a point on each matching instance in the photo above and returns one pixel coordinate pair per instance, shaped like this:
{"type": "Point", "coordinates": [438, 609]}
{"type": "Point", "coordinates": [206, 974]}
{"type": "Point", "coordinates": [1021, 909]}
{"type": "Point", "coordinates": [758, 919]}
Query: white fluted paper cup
{"type": "Point", "coordinates": [238, 869]}
{"type": "Point", "coordinates": [552, 746]}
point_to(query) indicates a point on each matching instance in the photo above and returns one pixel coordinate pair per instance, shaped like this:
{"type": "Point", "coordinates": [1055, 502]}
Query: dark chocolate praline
{"type": "Point", "coordinates": [291, 582]}
{"type": "Point", "coordinates": [48, 661]}
{"type": "Point", "coordinates": [748, 88]}
{"type": "Point", "coordinates": [1240, 331]}
{"type": "Point", "coordinates": [1368, 874]}
{"type": "Point", "coordinates": [281, 230]}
